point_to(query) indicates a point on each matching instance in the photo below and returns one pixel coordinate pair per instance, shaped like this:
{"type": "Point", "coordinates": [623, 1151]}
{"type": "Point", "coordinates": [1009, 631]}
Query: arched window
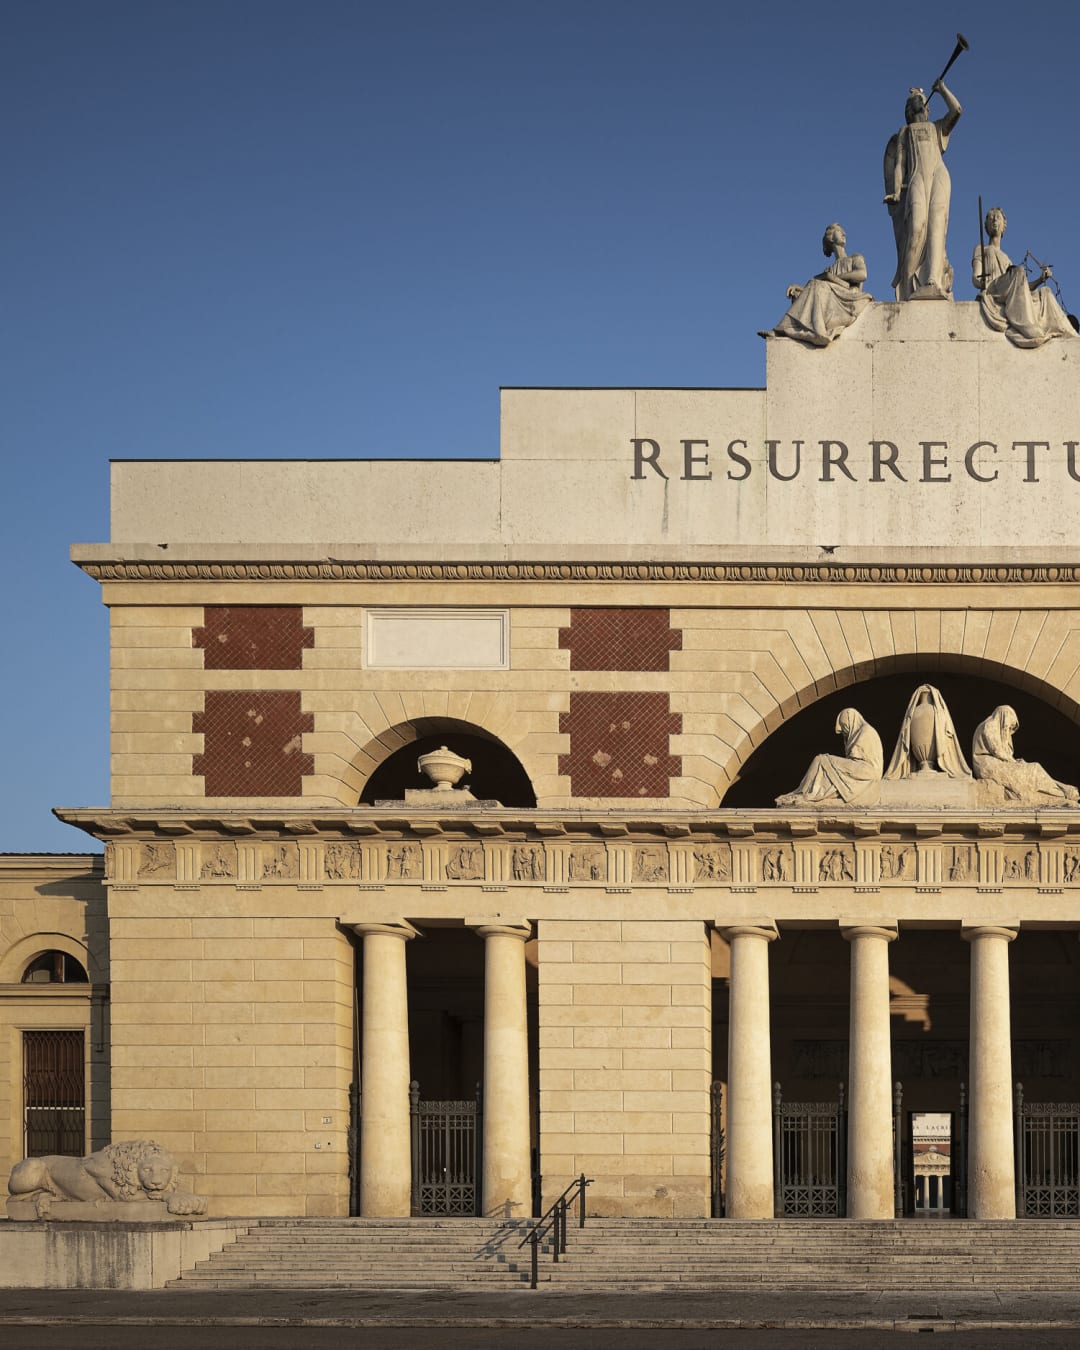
{"type": "Point", "coordinates": [55, 967]}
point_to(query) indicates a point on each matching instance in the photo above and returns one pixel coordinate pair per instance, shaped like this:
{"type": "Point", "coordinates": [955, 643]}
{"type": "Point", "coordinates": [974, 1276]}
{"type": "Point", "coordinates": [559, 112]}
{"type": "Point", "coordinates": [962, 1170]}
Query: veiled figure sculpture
{"type": "Point", "coordinates": [927, 742]}
{"type": "Point", "coordinates": [829, 302]}
{"type": "Point", "coordinates": [1023, 783]}
{"type": "Point", "coordinates": [1025, 311]}
{"type": "Point", "coordinates": [917, 192]}
{"type": "Point", "coordinates": [853, 777]}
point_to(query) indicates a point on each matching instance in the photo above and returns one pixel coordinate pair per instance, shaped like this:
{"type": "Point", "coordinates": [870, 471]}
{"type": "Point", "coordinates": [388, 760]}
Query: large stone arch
{"type": "Point", "coordinates": [776, 663]}
{"type": "Point", "coordinates": [971, 689]}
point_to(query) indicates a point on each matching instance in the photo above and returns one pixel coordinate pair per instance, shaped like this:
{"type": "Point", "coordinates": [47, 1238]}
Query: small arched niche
{"type": "Point", "coordinates": [496, 775]}
{"type": "Point", "coordinates": [777, 765]}
{"type": "Point", "coordinates": [55, 967]}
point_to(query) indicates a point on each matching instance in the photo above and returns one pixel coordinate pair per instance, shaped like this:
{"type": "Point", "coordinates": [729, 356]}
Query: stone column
{"type": "Point", "coordinates": [385, 1143]}
{"type": "Point", "coordinates": [507, 1167]}
{"type": "Point", "coordinates": [749, 1090]}
{"type": "Point", "coordinates": [991, 1174]}
{"type": "Point", "coordinates": [870, 1115]}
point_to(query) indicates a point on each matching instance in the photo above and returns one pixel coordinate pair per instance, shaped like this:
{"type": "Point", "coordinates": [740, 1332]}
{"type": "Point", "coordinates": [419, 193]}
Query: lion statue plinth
{"type": "Point", "coordinates": [134, 1182]}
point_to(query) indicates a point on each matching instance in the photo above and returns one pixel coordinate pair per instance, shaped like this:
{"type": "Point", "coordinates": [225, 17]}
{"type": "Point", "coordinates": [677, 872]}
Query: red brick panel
{"type": "Point", "coordinates": [253, 743]}
{"type": "Point", "coordinates": [619, 745]}
{"type": "Point", "coordinates": [620, 639]}
{"type": "Point", "coordinates": [252, 637]}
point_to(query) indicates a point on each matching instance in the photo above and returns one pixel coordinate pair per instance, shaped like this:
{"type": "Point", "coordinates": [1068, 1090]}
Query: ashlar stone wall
{"type": "Point", "coordinates": [626, 1063]}
{"type": "Point", "coordinates": [232, 1012]}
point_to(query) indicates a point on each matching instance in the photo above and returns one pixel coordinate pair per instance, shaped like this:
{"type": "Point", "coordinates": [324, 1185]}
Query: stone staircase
{"type": "Point", "coordinates": [480, 1254]}
{"type": "Point", "coordinates": [613, 1254]}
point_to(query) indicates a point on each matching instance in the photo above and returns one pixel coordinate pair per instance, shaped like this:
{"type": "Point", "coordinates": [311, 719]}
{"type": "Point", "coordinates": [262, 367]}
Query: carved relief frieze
{"type": "Point", "coordinates": [527, 863]}
{"type": "Point", "coordinates": [776, 863]}
{"type": "Point", "coordinates": [341, 862]}
{"type": "Point", "coordinates": [218, 862]}
{"type": "Point", "coordinates": [650, 863]}
{"type": "Point", "coordinates": [836, 864]}
{"type": "Point", "coordinates": [157, 862]}
{"type": "Point", "coordinates": [280, 862]}
{"type": "Point", "coordinates": [961, 864]}
{"type": "Point", "coordinates": [896, 862]}
{"type": "Point", "coordinates": [404, 862]}
{"type": "Point", "coordinates": [464, 862]}
{"type": "Point", "coordinates": [586, 864]}
{"type": "Point", "coordinates": [991, 860]}
{"type": "Point", "coordinates": [712, 862]}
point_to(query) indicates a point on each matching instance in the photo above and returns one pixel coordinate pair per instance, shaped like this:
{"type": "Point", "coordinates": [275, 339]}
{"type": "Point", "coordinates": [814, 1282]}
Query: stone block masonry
{"type": "Point", "coordinates": [626, 1063]}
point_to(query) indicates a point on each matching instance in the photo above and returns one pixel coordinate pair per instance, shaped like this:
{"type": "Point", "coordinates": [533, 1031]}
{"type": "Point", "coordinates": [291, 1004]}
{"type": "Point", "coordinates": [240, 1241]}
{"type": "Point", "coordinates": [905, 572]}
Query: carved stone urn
{"type": "Point", "coordinates": [444, 768]}
{"type": "Point", "coordinates": [922, 734]}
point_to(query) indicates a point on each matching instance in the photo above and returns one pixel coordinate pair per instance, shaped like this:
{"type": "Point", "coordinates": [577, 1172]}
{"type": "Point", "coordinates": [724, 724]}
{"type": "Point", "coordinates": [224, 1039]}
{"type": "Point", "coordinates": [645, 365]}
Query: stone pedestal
{"type": "Point", "coordinates": [749, 1107]}
{"type": "Point", "coordinates": [385, 1143]}
{"type": "Point", "coordinates": [507, 1171]}
{"type": "Point", "coordinates": [991, 1164]}
{"type": "Point", "coordinates": [870, 1142]}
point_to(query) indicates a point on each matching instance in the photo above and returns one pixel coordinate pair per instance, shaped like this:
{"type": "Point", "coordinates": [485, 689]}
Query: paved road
{"type": "Point", "coordinates": [181, 1337]}
{"type": "Point", "coordinates": [381, 1320]}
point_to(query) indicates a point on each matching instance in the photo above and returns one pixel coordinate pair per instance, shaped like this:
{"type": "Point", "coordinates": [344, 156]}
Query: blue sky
{"type": "Point", "coordinates": [323, 228]}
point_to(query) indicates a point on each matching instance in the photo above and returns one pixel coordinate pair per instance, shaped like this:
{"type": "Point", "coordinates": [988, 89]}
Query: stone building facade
{"type": "Point", "coordinates": [639, 625]}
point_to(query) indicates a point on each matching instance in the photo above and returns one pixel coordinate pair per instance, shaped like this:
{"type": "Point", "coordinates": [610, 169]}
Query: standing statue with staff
{"type": "Point", "coordinates": [917, 192]}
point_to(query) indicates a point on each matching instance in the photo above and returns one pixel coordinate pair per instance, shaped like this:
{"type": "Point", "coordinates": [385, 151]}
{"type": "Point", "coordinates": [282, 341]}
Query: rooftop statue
{"type": "Point", "coordinates": [853, 777]}
{"type": "Point", "coordinates": [829, 302]}
{"type": "Point", "coordinates": [927, 742]}
{"type": "Point", "coordinates": [1023, 784]}
{"type": "Point", "coordinates": [917, 193]}
{"type": "Point", "coordinates": [1011, 304]}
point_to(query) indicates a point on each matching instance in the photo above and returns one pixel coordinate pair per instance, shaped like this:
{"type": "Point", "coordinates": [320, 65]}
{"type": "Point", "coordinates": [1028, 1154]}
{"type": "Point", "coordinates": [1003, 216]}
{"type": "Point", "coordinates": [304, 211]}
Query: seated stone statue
{"type": "Point", "coordinates": [1023, 784]}
{"type": "Point", "coordinates": [133, 1181]}
{"type": "Point", "coordinates": [853, 777]}
{"type": "Point", "coordinates": [1011, 304]}
{"type": "Point", "coordinates": [927, 742]}
{"type": "Point", "coordinates": [829, 302]}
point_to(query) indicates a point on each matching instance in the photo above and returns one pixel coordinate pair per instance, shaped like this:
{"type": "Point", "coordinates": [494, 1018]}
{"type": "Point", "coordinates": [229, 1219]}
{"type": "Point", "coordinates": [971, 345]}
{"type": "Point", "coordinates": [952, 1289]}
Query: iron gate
{"type": "Point", "coordinates": [445, 1155]}
{"type": "Point", "coordinates": [716, 1148]}
{"type": "Point", "coordinates": [54, 1093]}
{"type": "Point", "coordinates": [1047, 1135]}
{"type": "Point", "coordinates": [809, 1157]}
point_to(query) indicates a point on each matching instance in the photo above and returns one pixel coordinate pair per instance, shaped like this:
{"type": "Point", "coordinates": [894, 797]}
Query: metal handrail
{"type": "Point", "coordinates": [554, 1222]}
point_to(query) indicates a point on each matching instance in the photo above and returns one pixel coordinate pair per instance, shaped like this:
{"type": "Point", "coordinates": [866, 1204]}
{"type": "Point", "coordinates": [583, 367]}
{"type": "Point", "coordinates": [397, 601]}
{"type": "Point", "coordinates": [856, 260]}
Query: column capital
{"type": "Point", "coordinates": [500, 927]}
{"type": "Point", "coordinates": [399, 928]}
{"type": "Point", "coordinates": [970, 931]}
{"type": "Point", "coordinates": [762, 928]}
{"type": "Point", "coordinates": [879, 928]}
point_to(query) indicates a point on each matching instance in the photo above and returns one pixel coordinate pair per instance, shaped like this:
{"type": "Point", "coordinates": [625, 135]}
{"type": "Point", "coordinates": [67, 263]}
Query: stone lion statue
{"type": "Point", "coordinates": [136, 1170]}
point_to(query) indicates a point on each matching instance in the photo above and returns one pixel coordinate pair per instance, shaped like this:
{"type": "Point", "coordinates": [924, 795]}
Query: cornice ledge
{"type": "Point", "coordinates": [676, 827]}
{"type": "Point", "coordinates": [810, 572]}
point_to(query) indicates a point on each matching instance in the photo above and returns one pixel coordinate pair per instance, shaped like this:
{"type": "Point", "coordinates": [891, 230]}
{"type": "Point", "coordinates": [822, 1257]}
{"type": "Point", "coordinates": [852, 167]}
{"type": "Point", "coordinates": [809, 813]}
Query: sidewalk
{"type": "Point", "coordinates": [696, 1310]}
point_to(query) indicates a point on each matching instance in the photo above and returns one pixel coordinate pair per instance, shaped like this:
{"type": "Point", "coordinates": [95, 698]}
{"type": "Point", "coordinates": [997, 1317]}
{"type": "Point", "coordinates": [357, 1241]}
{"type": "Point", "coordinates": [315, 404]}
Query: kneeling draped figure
{"type": "Point", "coordinates": [853, 777]}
